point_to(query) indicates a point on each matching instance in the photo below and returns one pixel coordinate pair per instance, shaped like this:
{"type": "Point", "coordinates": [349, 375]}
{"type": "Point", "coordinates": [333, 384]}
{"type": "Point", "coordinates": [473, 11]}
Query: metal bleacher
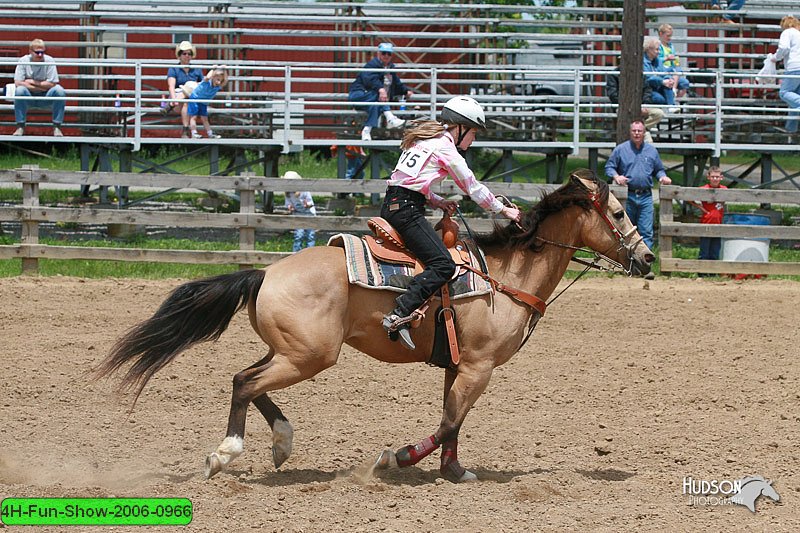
{"type": "Point", "coordinates": [291, 65]}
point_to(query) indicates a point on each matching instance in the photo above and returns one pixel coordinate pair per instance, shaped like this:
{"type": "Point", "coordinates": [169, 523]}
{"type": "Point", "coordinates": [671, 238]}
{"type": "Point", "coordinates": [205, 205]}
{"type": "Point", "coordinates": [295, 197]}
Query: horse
{"type": "Point", "coordinates": [304, 309]}
{"type": "Point", "coordinates": [752, 488]}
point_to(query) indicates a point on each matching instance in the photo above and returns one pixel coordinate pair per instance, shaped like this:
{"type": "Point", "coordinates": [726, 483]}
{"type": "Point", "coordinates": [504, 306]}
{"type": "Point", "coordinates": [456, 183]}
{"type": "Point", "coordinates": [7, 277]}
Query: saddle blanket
{"type": "Point", "coordinates": [365, 270]}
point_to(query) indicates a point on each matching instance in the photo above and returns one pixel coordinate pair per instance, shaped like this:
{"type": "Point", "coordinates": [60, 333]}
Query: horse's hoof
{"type": "Point", "coordinates": [213, 465]}
{"type": "Point", "coordinates": [455, 473]}
{"type": "Point", "coordinates": [467, 476]}
{"type": "Point", "coordinates": [386, 460]}
{"type": "Point", "coordinates": [282, 436]}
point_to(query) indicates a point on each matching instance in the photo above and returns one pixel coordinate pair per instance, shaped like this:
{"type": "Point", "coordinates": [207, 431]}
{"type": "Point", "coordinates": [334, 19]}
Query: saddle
{"type": "Point", "coordinates": [387, 245]}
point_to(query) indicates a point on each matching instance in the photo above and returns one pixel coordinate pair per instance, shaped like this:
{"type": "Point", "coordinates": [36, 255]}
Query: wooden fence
{"type": "Point", "coordinates": [670, 229]}
{"type": "Point", "coordinates": [247, 220]}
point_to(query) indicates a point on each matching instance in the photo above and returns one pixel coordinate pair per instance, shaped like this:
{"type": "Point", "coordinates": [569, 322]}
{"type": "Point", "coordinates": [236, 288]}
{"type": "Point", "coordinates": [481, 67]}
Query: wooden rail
{"type": "Point", "coordinates": [670, 229]}
{"type": "Point", "coordinates": [246, 221]}
{"type": "Point", "coordinates": [30, 214]}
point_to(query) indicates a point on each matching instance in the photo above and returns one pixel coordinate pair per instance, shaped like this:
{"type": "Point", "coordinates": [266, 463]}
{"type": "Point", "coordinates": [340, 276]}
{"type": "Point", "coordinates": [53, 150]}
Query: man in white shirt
{"type": "Point", "coordinates": [36, 76]}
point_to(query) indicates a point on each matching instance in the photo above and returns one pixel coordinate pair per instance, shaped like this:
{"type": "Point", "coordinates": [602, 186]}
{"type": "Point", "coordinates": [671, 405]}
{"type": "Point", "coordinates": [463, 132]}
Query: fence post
{"type": "Point", "coordinates": [247, 207]}
{"type": "Point", "coordinates": [29, 177]}
{"type": "Point", "coordinates": [665, 215]}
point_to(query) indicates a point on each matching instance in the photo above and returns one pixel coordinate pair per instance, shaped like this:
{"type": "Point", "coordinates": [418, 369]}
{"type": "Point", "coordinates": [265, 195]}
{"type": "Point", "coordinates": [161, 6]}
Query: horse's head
{"type": "Point", "coordinates": [579, 213]}
{"type": "Point", "coordinates": [607, 229]}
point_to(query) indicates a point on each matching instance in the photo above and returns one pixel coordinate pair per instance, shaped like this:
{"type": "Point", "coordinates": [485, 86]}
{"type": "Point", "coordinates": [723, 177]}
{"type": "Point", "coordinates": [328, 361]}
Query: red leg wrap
{"type": "Point", "coordinates": [411, 455]}
{"type": "Point", "coordinates": [450, 468]}
{"type": "Point", "coordinates": [449, 451]}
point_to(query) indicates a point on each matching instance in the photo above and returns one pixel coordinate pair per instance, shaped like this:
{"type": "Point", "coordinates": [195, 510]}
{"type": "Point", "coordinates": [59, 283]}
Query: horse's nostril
{"type": "Point", "coordinates": [649, 258]}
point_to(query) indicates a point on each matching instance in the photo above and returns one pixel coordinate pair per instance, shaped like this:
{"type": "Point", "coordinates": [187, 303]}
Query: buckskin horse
{"type": "Point", "coordinates": [304, 309]}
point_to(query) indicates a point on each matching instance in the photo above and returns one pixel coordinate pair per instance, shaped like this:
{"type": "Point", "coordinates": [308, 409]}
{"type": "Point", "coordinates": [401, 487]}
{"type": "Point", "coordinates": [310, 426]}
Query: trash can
{"type": "Point", "coordinates": [756, 250]}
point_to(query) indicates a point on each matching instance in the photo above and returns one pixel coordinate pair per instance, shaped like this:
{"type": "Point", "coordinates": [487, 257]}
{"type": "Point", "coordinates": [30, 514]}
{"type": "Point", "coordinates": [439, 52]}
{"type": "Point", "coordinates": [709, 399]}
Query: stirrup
{"type": "Point", "coordinates": [394, 323]}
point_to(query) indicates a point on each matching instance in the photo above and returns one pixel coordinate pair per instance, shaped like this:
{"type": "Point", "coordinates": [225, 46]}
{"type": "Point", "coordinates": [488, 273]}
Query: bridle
{"type": "Point", "coordinates": [621, 246]}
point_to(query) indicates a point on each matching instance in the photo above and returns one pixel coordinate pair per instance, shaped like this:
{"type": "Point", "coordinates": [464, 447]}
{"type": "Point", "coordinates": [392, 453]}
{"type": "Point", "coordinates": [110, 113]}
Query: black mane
{"type": "Point", "coordinates": [572, 193]}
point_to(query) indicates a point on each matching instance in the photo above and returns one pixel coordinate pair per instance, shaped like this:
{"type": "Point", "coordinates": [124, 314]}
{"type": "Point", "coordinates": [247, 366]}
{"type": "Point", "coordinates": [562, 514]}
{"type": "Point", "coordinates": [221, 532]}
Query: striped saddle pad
{"type": "Point", "coordinates": [367, 271]}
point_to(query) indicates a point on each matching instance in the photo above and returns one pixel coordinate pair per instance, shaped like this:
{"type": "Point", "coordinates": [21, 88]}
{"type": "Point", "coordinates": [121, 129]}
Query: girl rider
{"type": "Point", "coordinates": [431, 153]}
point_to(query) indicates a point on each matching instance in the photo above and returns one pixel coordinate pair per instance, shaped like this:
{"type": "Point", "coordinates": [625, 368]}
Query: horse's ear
{"type": "Point", "coordinates": [579, 182]}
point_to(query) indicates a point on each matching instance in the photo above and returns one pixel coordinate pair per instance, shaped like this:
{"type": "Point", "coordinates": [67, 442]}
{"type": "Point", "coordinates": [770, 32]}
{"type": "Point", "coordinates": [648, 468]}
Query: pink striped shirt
{"type": "Point", "coordinates": [442, 160]}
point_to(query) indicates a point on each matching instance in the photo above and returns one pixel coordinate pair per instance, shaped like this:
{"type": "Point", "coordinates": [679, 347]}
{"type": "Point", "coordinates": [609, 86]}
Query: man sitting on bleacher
{"type": "Point", "coordinates": [372, 85]}
{"type": "Point", "coordinates": [36, 76]}
{"type": "Point", "coordinates": [650, 115]}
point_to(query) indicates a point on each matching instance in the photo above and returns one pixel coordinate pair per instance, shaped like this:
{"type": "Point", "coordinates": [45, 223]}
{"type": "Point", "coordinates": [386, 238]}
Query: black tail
{"type": "Point", "coordinates": [195, 312]}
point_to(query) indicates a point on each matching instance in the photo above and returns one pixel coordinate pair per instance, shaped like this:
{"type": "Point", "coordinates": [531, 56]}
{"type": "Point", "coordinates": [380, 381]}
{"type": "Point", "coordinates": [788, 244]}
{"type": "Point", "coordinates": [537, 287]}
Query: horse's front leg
{"type": "Point", "coordinates": [450, 468]}
{"type": "Point", "coordinates": [462, 389]}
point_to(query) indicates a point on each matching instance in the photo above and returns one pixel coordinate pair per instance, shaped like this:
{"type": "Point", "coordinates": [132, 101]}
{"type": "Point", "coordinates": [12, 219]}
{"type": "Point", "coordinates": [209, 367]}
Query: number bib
{"type": "Point", "coordinates": [413, 160]}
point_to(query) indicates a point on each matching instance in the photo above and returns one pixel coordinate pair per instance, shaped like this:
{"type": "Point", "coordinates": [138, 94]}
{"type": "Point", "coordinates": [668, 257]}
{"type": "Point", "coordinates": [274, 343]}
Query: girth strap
{"type": "Point", "coordinates": [528, 299]}
{"type": "Point", "coordinates": [452, 341]}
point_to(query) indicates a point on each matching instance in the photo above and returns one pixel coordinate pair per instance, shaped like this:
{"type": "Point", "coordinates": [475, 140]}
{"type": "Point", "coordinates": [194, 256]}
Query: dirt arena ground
{"type": "Point", "coordinates": [625, 389]}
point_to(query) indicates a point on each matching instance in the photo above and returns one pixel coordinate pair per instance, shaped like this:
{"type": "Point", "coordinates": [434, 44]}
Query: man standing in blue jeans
{"type": "Point", "coordinates": [372, 85]}
{"type": "Point", "coordinates": [36, 76]}
{"type": "Point", "coordinates": [634, 163]}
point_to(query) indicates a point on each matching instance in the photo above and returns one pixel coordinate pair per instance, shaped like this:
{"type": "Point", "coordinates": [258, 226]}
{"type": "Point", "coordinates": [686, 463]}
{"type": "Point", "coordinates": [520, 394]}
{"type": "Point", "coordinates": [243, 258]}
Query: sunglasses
{"type": "Point", "coordinates": [38, 52]}
{"type": "Point", "coordinates": [386, 53]}
{"type": "Point", "coordinates": [187, 54]}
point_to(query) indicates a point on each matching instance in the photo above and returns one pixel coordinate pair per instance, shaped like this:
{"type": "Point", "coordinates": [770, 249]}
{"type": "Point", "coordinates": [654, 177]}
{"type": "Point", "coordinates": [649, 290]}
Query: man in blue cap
{"type": "Point", "coordinates": [372, 85]}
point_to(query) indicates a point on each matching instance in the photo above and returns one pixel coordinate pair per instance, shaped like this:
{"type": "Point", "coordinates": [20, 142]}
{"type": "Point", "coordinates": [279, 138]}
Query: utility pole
{"type": "Point", "coordinates": [630, 75]}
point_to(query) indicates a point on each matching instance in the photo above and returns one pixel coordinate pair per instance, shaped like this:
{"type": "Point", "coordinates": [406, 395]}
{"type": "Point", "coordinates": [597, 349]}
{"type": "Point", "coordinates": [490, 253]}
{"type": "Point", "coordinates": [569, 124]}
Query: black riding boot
{"type": "Point", "coordinates": [399, 322]}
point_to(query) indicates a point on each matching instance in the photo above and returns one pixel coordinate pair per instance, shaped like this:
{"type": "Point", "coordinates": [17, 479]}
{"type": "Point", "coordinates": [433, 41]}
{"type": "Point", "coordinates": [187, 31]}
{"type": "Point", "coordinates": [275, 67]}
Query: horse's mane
{"type": "Point", "coordinates": [572, 193]}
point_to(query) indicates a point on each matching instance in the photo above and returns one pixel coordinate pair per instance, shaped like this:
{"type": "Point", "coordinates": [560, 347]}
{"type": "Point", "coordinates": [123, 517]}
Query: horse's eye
{"type": "Point", "coordinates": [619, 215]}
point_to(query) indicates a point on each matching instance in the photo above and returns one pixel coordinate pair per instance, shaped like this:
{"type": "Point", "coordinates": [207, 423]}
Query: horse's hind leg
{"type": "Point", "coordinates": [282, 432]}
{"type": "Point", "coordinates": [278, 373]}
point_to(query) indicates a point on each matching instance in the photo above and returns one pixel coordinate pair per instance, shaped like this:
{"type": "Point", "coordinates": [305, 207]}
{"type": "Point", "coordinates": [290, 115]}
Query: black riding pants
{"type": "Point", "coordinates": [404, 209]}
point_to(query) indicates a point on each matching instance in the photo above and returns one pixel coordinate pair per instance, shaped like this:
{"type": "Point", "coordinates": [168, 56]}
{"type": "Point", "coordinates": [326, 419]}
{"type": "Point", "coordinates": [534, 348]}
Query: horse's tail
{"type": "Point", "coordinates": [195, 312]}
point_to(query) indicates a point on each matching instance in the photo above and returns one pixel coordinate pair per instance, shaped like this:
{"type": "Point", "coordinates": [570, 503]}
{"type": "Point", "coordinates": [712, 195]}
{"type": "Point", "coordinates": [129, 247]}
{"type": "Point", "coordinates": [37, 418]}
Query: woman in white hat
{"type": "Point", "coordinates": [177, 77]}
{"type": "Point", "coordinates": [430, 154]}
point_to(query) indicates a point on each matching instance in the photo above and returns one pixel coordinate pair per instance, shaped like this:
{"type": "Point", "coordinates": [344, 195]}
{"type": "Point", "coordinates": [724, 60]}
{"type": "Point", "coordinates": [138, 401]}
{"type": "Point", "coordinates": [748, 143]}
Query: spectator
{"type": "Point", "coordinates": [177, 77]}
{"type": "Point", "coordinates": [371, 85]}
{"type": "Point", "coordinates": [431, 153]}
{"type": "Point", "coordinates": [36, 76]}
{"type": "Point", "coordinates": [216, 78]}
{"type": "Point", "coordinates": [654, 72]}
{"type": "Point", "coordinates": [789, 52]}
{"type": "Point", "coordinates": [634, 163]}
{"type": "Point", "coordinates": [650, 115]}
{"type": "Point", "coordinates": [302, 204]}
{"type": "Point", "coordinates": [733, 5]}
{"type": "Point", "coordinates": [671, 61]}
{"type": "Point", "coordinates": [712, 213]}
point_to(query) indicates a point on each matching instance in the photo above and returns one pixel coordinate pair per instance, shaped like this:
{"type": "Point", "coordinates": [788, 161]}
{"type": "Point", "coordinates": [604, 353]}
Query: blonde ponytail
{"type": "Point", "coordinates": [420, 130]}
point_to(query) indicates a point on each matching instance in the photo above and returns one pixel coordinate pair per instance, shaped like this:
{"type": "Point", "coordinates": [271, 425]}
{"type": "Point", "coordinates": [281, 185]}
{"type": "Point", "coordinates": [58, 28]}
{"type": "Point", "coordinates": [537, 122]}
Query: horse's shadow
{"type": "Point", "coordinates": [411, 476]}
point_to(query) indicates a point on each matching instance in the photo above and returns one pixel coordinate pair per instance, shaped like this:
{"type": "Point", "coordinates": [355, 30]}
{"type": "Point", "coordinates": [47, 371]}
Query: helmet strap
{"type": "Point", "coordinates": [462, 132]}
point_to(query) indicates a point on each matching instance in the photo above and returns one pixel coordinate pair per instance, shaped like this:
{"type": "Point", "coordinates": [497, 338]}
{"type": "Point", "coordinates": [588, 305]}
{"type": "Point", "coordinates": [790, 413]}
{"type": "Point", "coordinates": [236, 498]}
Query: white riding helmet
{"type": "Point", "coordinates": [465, 111]}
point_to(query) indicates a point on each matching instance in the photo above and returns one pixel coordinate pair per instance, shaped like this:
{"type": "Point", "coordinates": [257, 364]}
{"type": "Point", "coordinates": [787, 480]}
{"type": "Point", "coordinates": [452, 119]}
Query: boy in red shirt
{"type": "Point", "coordinates": [712, 214]}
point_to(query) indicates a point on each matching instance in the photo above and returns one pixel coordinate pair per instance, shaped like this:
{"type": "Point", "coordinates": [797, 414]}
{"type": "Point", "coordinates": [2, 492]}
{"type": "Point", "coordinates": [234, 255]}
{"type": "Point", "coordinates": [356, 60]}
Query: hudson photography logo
{"type": "Point", "coordinates": [744, 491]}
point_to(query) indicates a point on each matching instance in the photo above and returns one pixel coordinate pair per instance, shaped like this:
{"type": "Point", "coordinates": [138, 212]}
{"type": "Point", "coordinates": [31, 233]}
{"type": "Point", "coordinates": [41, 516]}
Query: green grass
{"type": "Point", "coordinates": [122, 269]}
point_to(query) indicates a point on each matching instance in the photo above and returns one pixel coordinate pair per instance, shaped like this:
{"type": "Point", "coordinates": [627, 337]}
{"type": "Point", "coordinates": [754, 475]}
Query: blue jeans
{"type": "Point", "coordinates": [709, 247]}
{"type": "Point", "coordinates": [640, 210]}
{"type": "Point", "coordinates": [353, 164]}
{"type": "Point", "coordinates": [789, 94]}
{"type": "Point", "coordinates": [734, 5]}
{"type": "Point", "coordinates": [663, 96]}
{"type": "Point", "coordinates": [42, 101]}
{"type": "Point", "coordinates": [303, 238]}
{"type": "Point", "coordinates": [373, 112]}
